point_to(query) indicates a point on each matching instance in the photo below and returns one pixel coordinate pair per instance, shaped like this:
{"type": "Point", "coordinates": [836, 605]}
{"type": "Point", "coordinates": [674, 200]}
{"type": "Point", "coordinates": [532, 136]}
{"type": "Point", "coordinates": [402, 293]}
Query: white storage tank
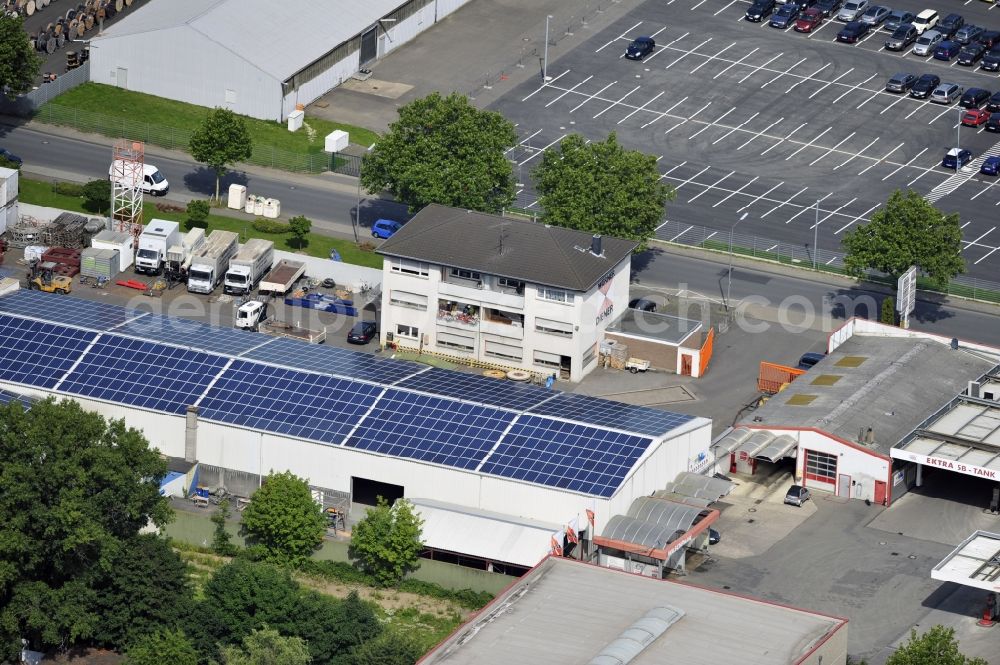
{"type": "Point", "coordinates": [237, 196]}
{"type": "Point", "coordinates": [251, 201]}
{"type": "Point", "coordinates": [121, 242]}
{"type": "Point", "coordinates": [272, 208]}
{"type": "Point", "coordinates": [258, 205]}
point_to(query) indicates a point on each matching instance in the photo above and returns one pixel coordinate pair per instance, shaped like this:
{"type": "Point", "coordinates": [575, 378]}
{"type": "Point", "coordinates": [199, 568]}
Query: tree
{"type": "Point", "coordinates": [600, 187]}
{"type": "Point", "coordinates": [444, 150]}
{"type": "Point", "coordinates": [267, 647]}
{"type": "Point", "coordinates": [907, 231]}
{"type": "Point", "coordinates": [75, 489]}
{"type": "Point", "coordinates": [386, 542]}
{"type": "Point", "coordinates": [283, 519]}
{"type": "Point", "coordinates": [300, 227]}
{"type": "Point", "coordinates": [937, 646]}
{"type": "Point", "coordinates": [18, 62]}
{"type": "Point", "coordinates": [197, 213]}
{"type": "Point", "coordinates": [333, 628]}
{"type": "Point", "coordinates": [97, 196]}
{"type": "Point", "coordinates": [222, 140]}
{"type": "Point", "coordinates": [163, 646]}
{"type": "Point", "coordinates": [389, 648]}
{"type": "Point", "coordinates": [222, 540]}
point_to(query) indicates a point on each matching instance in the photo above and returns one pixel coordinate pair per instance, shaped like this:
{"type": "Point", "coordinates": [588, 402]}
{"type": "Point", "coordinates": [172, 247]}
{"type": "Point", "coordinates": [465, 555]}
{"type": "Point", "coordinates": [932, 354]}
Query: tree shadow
{"type": "Point", "coordinates": [865, 303]}
{"type": "Point", "coordinates": [202, 181]}
{"type": "Point", "coordinates": [373, 210]}
{"type": "Point", "coordinates": [641, 261]}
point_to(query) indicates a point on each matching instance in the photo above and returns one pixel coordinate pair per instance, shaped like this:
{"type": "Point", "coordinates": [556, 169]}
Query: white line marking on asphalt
{"type": "Point", "coordinates": [538, 152]}
{"type": "Point", "coordinates": [902, 166]}
{"type": "Point", "coordinates": [832, 213]}
{"type": "Point", "coordinates": [712, 186]}
{"type": "Point", "coordinates": [860, 153]}
{"type": "Point", "coordinates": [885, 157]}
{"type": "Point", "coordinates": [687, 53]}
{"type": "Point", "coordinates": [783, 73]}
{"type": "Point", "coordinates": [854, 221]}
{"type": "Point", "coordinates": [569, 90]}
{"type": "Point", "coordinates": [663, 114]}
{"type": "Point", "coordinates": [783, 203]}
{"type": "Point", "coordinates": [621, 36]}
{"type": "Point", "coordinates": [843, 140]}
{"type": "Point", "coordinates": [712, 57]}
{"type": "Point", "coordinates": [673, 169]}
{"type": "Point", "coordinates": [681, 233]}
{"type": "Point", "coordinates": [975, 263]}
{"type": "Point", "coordinates": [712, 124]}
{"type": "Point", "coordinates": [805, 208]}
{"type": "Point", "coordinates": [524, 141]}
{"type": "Point", "coordinates": [854, 87]}
{"type": "Point", "coordinates": [782, 140]}
{"type": "Point", "coordinates": [757, 135]}
{"type": "Point", "coordinates": [690, 117]}
{"type": "Point", "coordinates": [811, 77]}
{"type": "Point", "coordinates": [739, 126]}
{"type": "Point", "coordinates": [735, 192]}
{"type": "Point", "coordinates": [590, 97]}
{"type": "Point", "coordinates": [643, 107]}
{"type": "Point", "coordinates": [737, 62]}
{"type": "Point", "coordinates": [545, 85]}
{"type": "Point", "coordinates": [834, 81]}
{"type": "Point", "coordinates": [758, 198]}
{"type": "Point", "coordinates": [811, 141]}
{"type": "Point", "coordinates": [692, 177]}
{"type": "Point", "coordinates": [760, 68]}
{"type": "Point", "coordinates": [725, 8]}
{"type": "Point", "coordinates": [620, 100]}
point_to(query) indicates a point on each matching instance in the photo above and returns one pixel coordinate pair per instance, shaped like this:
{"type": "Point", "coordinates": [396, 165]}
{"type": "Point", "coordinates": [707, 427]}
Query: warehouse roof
{"type": "Point", "coordinates": [513, 248]}
{"type": "Point", "coordinates": [565, 613]}
{"type": "Point", "coordinates": [279, 38]}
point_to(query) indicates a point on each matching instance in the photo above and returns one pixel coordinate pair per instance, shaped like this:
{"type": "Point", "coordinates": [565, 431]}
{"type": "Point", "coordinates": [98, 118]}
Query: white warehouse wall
{"type": "Point", "coordinates": [315, 88]}
{"type": "Point", "coordinates": [400, 33]}
{"type": "Point", "coordinates": [445, 7]}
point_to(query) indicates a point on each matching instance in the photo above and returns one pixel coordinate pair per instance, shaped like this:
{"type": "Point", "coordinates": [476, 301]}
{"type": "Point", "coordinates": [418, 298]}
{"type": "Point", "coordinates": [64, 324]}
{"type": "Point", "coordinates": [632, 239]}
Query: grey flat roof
{"type": "Point", "coordinates": [887, 383]}
{"type": "Point", "coordinates": [513, 248]}
{"type": "Point", "coordinates": [565, 612]}
{"type": "Point", "coordinates": [651, 325]}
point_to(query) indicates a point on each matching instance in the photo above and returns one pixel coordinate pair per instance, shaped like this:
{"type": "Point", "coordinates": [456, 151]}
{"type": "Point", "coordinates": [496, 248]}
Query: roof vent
{"type": "Point", "coordinates": [595, 245]}
{"type": "Point", "coordinates": [973, 389]}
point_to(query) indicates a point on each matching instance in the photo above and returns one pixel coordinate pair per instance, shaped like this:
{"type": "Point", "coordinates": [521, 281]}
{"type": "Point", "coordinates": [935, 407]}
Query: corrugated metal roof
{"type": "Point", "coordinates": [280, 38]}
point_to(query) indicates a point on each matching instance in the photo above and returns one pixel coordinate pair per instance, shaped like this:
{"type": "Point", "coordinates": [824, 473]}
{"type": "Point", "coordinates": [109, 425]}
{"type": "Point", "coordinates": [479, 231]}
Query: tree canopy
{"type": "Point", "coordinates": [222, 140]}
{"type": "Point", "coordinates": [444, 150]}
{"type": "Point", "coordinates": [937, 646]}
{"type": "Point", "coordinates": [389, 648]}
{"type": "Point", "coordinates": [18, 61]}
{"type": "Point", "coordinates": [386, 542]}
{"type": "Point", "coordinates": [300, 227]}
{"type": "Point", "coordinates": [267, 647]}
{"type": "Point", "coordinates": [283, 519]}
{"type": "Point", "coordinates": [76, 490]}
{"type": "Point", "coordinates": [907, 231]}
{"type": "Point", "coordinates": [601, 187]}
{"type": "Point", "coordinates": [162, 646]}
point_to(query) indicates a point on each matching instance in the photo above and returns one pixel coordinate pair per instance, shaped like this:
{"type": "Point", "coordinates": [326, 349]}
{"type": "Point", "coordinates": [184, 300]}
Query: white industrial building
{"type": "Point", "coordinates": [353, 424]}
{"type": "Point", "coordinates": [255, 57]}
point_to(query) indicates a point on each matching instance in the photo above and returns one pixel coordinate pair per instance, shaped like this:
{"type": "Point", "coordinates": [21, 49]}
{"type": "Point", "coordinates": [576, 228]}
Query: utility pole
{"type": "Point", "coordinates": [729, 283]}
{"type": "Point", "coordinates": [545, 57]}
{"type": "Point", "coordinates": [815, 234]}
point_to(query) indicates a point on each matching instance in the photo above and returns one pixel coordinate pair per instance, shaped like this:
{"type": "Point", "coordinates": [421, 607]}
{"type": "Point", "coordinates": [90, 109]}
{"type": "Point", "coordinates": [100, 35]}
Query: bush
{"type": "Point", "coordinates": [96, 196]}
{"type": "Point", "coordinates": [197, 214]}
{"type": "Point", "coordinates": [71, 188]}
{"type": "Point", "coordinates": [270, 226]}
{"type": "Point", "coordinates": [888, 316]}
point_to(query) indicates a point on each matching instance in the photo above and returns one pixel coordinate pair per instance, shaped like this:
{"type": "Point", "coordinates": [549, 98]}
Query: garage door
{"type": "Point", "coordinates": [821, 470]}
{"type": "Point", "coordinates": [369, 46]}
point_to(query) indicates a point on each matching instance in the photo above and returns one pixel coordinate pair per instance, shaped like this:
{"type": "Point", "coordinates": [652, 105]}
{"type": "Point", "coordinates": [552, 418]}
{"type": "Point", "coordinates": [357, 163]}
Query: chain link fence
{"type": "Point", "coordinates": [25, 105]}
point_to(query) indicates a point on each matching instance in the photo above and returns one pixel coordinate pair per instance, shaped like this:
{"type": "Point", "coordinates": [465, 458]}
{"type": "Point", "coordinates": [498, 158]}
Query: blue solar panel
{"type": "Point", "coordinates": [151, 376]}
{"type": "Point", "coordinates": [66, 309]}
{"type": "Point", "coordinates": [36, 353]}
{"type": "Point", "coordinates": [285, 401]}
{"type": "Point", "coordinates": [331, 360]}
{"type": "Point", "coordinates": [193, 334]}
{"type": "Point", "coordinates": [606, 413]}
{"type": "Point", "coordinates": [431, 429]}
{"type": "Point", "coordinates": [6, 397]}
{"type": "Point", "coordinates": [475, 388]}
{"type": "Point", "coordinates": [575, 457]}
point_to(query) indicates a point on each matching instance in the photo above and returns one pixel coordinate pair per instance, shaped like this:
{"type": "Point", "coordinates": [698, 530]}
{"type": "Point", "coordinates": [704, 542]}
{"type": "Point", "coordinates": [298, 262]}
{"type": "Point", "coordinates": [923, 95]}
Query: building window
{"type": "Point", "coordinates": [590, 355]}
{"type": "Point", "coordinates": [504, 351]}
{"type": "Point", "coordinates": [407, 331]}
{"type": "Point", "coordinates": [470, 275]}
{"type": "Point", "coordinates": [821, 467]}
{"type": "Point", "coordinates": [457, 342]}
{"type": "Point", "coordinates": [550, 327]}
{"type": "Point", "coordinates": [548, 360]}
{"type": "Point", "coordinates": [554, 295]}
{"type": "Point", "coordinates": [409, 267]}
{"type": "Point", "coordinates": [410, 300]}
{"type": "Point", "coordinates": [505, 318]}
{"type": "Point", "coordinates": [507, 284]}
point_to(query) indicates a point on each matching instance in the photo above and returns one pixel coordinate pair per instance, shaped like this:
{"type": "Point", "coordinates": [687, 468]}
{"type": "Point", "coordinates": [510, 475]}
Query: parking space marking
{"type": "Point", "coordinates": [783, 73]}
{"type": "Point", "coordinates": [811, 77]}
{"type": "Point", "coordinates": [760, 68]}
{"type": "Point", "coordinates": [923, 171]}
{"type": "Point", "coordinates": [854, 87]}
{"type": "Point", "coordinates": [712, 186]}
{"type": "Point", "coordinates": [673, 169]}
{"type": "Point", "coordinates": [884, 157]}
{"type": "Point", "coordinates": [690, 117]}
{"type": "Point", "coordinates": [835, 81]}
{"type": "Point", "coordinates": [903, 166]}
{"type": "Point", "coordinates": [901, 98]}
{"type": "Point", "coordinates": [862, 216]}
{"type": "Point", "coordinates": [670, 44]}
{"type": "Point", "coordinates": [923, 104]}
{"type": "Point", "coordinates": [985, 189]}
{"type": "Point", "coordinates": [757, 135]}
{"type": "Point", "coordinates": [739, 126]}
{"type": "Point", "coordinates": [692, 177]}
{"type": "Point", "coordinates": [711, 124]}
{"type": "Point", "coordinates": [545, 85]}
{"type": "Point", "coordinates": [736, 62]}
{"type": "Point", "coordinates": [811, 141]}
{"type": "Point", "coordinates": [761, 196]}
{"type": "Point", "coordinates": [687, 53]}
{"type": "Point", "coordinates": [874, 95]}
{"type": "Point", "coordinates": [663, 114]}
{"type": "Point", "coordinates": [681, 233]}
{"type": "Point", "coordinates": [541, 150]}
{"type": "Point", "coordinates": [590, 97]}
{"type": "Point", "coordinates": [970, 243]}
{"type": "Point", "coordinates": [616, 103]}
{"type": "Point", "coordinates": [985, 256]}
{"type": "Point", "coordinates": [783, 139]}
{"type": "Point", "coordinates": [643, 107]}
{"type": "Point", "coordinates": [847, 138]}
{"type": "Point", "coordinates": [621, 36]}
{"type": "Point", "coordinates": [947, 109]}
{"type": "Point", "coordinates": [569, 90]}
{"type": "Point", "coordinates": [832, 213]}
{"type": "Point", "coordinates": [783, 203]}
{"type": "Point", "coordinates": [805, 208]}
{"type": "Point", "coordinates": [860, 153]}
{"type": "Point", "coordinates": [523, 141]}
{"type": "Point", "coordinates": [736, 191]}
{"type": "Point", "coordinates": [699, 5]}
{"type": "Point", "coordinates": [712, 57]}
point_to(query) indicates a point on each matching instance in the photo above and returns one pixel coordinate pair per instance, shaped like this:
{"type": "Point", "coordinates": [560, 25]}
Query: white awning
{"type": "Point", "coordinates": [484, 534]}
{"type": "Point", "coordinates": [975, 563]}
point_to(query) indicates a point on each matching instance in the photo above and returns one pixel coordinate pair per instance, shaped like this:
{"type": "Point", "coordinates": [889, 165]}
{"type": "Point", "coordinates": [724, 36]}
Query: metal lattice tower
{"type": "Point", "coordinates": [126, 187]}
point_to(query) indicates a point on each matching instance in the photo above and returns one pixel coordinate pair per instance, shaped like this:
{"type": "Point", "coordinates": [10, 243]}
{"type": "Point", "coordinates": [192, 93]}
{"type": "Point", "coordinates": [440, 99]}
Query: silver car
{"type": "Point", "coordinates": [875, 15]}
{"type": "Point", "coordinates": [927, 42]}
{"type": "Point", "coordinates": [946, 93]}
{"type": "Point", "coordinates": [852, 10]}
{"type": "Point", "coordinates": [797, 495]}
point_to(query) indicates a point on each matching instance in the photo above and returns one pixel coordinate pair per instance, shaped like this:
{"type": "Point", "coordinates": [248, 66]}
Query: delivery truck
{"type": "Point", "coordinates": [249, 266]}
{"type": "Point", "coordinates": [127, 174]}
{"type": "Point", "coordinates": [283, 277]}
{"type": "Point", "coordinates": [209, 265]}
{"type": "Point", "coordinates": [158, 236]}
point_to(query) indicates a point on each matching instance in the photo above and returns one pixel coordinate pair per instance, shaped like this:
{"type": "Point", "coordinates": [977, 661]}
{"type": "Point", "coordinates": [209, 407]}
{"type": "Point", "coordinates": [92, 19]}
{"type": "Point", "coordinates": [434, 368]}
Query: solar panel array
{"type": "Point", "coordinates": [193, 334]}
{"type": "Point", "coordinates": [566, 455]}
{"type": "Point", "coordinates": [617, 415]}
{"type": "Point", "coordinates": [6, 397]}
{"type": "Point", "coordinates": [475, 388]}
{"type": "Point", "coordinates": [332, 360]}
{"type": "Point", "coordinates": [69, 311]}
{"type": "Point", "coordinates": [284, 401]}
{"type": "Point", "coordinates": [38, 354]}
{"type": "Point", "coordinates": [139, 373]}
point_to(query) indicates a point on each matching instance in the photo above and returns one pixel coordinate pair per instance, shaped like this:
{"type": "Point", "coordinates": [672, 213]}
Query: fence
{"type": "Point", "coordinates": [26, 105]}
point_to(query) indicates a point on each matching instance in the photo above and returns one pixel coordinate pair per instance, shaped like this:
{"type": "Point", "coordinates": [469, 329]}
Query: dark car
{"type": "Point", "coordinates": [362, 332]}
{"type": "Point", "coordinates": [991, 166]}
{"type": "Point", "coordinates": [760, 10]}
{"type": "Point", "coordinates": [853, 31]}
{"type": "Point", "coordinates": [956, 158]}
{"type": "Point", "coordinates": [809, 359]}
{"type": "Point", "coordinates": [803, 4]}
{"type": "Point", "coordinates": [902, 37]}
{"type": "Point", "coordinates": [10, 157]}
{"type": "Point", "coordinates": [713, 536]}
{"type": "Point", "coordinates": [974, 98]}
{"type": "Point", "coordinates": [994, 104]}
{"type": "Point", "coordinates": [991, 61]}
{"type": "Point", "coordinates": [898, 18]}
{"type": "Point", "coordinates": [950, 24]}
{"type": "Point", "coordinates": [643, 304]}
{"type": "Point", "coordinates": [989, 38]}
{"type": "Point", "coordinates": [640, 48]}
{"type": "Point", "coordinates": [967, 34]}
{"type": "Point", "coordinates": [797, 495]}
{"type": "Point", "coordinates": [925, 86]}
{"type": "Point", "coordinates": [785, 16]}
{"type": "Point", "coordinates": [993, 124]}
{"type": "Point", "coordinates": [970, 55]}
{"type": "Point", "coordinates": [810, 19]}
{"type": "Point", "coordinates": [900, 82]}
{"type": "Point", "coordinates": [947, 50]}
{"type": "Point", "coordinates": [829, 7]}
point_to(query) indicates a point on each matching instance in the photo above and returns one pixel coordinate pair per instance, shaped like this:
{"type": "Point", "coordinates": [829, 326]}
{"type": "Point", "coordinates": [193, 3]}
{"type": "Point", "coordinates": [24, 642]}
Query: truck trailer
{"type": "Point", "coordinates": [249, 266]}
{"type": "Point", "coordinates": [158, 237]}
{"type": "Point", "coordinates": [208, 267]}
{"type": "Point", "coordinates": [179, 256]}
{"type": "Point", "coordinates": [283, 277]}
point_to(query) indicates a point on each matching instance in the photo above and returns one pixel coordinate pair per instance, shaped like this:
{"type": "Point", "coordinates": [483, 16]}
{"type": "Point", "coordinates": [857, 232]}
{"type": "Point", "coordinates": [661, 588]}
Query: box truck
{"type": "Point", "coordinates": [249, 266]}
{"type": "Point", "coordinates": [209, 265]}
{"type": "Point", "coordinates": [179, 256]}
{"type": "Point", "coordinates": [158, 236]}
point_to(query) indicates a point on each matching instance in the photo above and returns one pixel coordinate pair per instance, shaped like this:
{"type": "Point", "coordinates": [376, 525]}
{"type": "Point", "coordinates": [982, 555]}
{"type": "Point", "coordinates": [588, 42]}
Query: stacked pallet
{"type": "Point", "coordinates": [66, 230]}
{"type": "Point", "coordinates": [67, 260]}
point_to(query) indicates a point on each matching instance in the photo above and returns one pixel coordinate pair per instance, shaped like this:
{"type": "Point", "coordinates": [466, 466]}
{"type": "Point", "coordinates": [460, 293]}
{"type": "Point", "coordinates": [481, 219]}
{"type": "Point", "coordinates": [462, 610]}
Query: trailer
{"type": "Point", "coordinates": [249, 266]}
{"type": "Point", "coordinates": [284, 275]}
{"type": "Point", "coordinates": [208, 267]}
{"type": "Point", "coordinates": [324, 303]}
{"type": "Point", "coordinates": [253, 315]}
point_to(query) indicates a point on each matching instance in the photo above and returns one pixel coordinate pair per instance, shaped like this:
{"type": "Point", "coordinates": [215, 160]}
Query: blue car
{"type": "Point", "coordinates": [947, 50]}
{"type": "Point", "coordinates": [956, 158]}
{"type": "Point", "coordinates": [11, 157]}
{"type": "Point", "coordinates": [991, 166]}
{"type": "Point", "coordinates": [384, 228]}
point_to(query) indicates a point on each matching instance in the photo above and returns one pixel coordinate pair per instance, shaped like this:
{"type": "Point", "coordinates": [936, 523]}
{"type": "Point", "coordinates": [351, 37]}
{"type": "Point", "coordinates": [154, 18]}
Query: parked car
{"type": "Point", "coordinates": [644, 304]}
{"type": "Point", "coordinates": [809, 359]}
{"type": "Point", "coordinates": [900, 82]}
{"type": "Point", "coordinates": [829, 7]}
{"type": "Point", "coordinates": [991, 166]}
{"type": "Point", "coordinates": [903, 36]}
{"type": "Point", "coordinates": [947, 50]}
{"type": "Point", "coordinates": [898, 18]}
{"type": "Point", "coordinates": [640, 48]}
{"type": "Point", "coordinates": [785, 16]}
{"type": "Point", "coordinates": [384, 228]}
{"type": "Point", "coordinates": [853, 31]}
{"type": "Point", "coordinates": [362, 332]}
{"type": "Point", "coordinates": [975, 117]}
{"type": "Point", "coordinates": [802, 4]}
{"type": "Point", "coordinates": [993, 105]}
{"type": "Point", "coordinates": [927, 42]}
{"type": "Point", "coordinates": [875, 15]}
{"type": "Point", "coordinates": [967, 34]}
{"type": "Point", "coordinates": [713, 536]}
{"type": "Point", "coordinates": [993, 124]}
{"type": "Point", "coordinates": [924, 86]}
{"type": "Point", "coordinates": [974, 98]}
{"type": "Point", "coordinates": [970, 55]}
{"type": "Point", "coordinates": [11, 157]}
{"type": "Point", "coordinates": [956, 158]}
{"type": "Point", "coordinates": [950, 24]}
{"type": "Point", "coordinates": [989, 38]}
{"type": "Point", "coordinates": [810, 19]}
{"type": "Point", "coordinates": [946, 93]}
{"type": "Point", "coordinates": [991, 61]}
{"type": "Point", "coordinates": [797, 495]}
{"type": "Point", "coordinates": [852, 10]}
{"type": "Point", "coordinates": [925, 20]}
{"type": "Point", "coordinates": [759, 10]}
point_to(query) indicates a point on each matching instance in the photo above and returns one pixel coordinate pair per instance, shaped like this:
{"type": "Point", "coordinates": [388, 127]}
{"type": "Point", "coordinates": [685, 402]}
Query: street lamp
{"type": "Point", "coordinates": [815, 234]}
{"type": "Point", "coordinates": [729, 284]}
{"type": "Point", "coordinates": [357, 214]}
{"type": "Point", "coordinates": [545, 57]}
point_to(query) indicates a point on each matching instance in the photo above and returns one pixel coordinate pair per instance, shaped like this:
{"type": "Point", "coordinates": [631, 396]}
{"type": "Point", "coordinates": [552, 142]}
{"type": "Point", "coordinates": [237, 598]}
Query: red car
{"type": "Point", "coordinates": [975, 117]}
{"type": "Point", "coordinates": [812, 18]}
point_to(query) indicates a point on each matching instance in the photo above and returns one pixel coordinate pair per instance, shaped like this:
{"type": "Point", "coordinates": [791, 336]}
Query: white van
{"type": "Point", "coordinates": [153, 182]}
{"type": "Point", "coordinates": [925, 20]}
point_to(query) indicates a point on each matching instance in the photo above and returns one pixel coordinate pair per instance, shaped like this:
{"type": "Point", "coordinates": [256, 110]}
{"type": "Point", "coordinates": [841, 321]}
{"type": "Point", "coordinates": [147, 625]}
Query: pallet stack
{"type": "Point", "coordinates": [66, 230]}
{"type": "Point", "coordinates": [67, 260]}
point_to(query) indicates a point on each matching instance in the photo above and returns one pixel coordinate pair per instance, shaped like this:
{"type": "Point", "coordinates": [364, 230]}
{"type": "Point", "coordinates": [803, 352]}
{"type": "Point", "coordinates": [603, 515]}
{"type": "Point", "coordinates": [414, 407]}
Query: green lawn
{"type": "Point", "coordinates": [118, 103]}
{"type": "Point", "coordinates": [41, 193]}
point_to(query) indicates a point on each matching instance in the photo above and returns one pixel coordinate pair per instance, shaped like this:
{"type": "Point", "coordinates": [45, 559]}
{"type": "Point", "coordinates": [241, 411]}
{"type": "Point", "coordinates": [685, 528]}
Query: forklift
{"type": "Point", "coordinates": [42, 277]}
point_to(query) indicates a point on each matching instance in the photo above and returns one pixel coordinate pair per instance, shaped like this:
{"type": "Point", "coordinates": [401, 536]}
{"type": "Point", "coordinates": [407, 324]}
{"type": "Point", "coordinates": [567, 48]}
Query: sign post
{"type": "Point", "coordinates": [906, 296]}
